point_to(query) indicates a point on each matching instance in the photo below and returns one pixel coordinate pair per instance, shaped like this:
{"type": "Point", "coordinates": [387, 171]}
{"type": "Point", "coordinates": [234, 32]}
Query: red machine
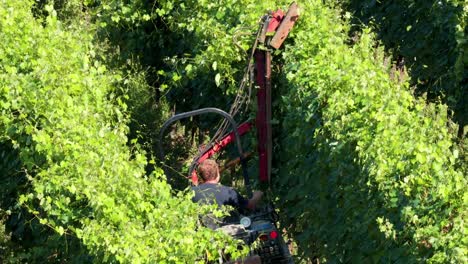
{"type": "Point", "coordinates": [273, 30]}
{"type": "Point", "coordinates": [260, 225]}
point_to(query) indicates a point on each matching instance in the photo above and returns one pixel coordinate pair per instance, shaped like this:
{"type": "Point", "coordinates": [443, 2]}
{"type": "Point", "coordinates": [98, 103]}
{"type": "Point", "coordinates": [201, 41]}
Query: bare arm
{"type": "Point", "coordinates": [256, 197]}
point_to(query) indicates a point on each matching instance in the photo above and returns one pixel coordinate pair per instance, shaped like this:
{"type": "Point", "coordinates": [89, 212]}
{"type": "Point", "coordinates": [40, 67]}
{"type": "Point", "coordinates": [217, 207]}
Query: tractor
{"type": "Point", "coordinates": [258, 229]}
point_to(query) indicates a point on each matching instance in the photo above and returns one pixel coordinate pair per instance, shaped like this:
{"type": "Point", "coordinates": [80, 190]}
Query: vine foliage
{"type": "Point", "coordinates": [430, 39]}
{"type": "Point", "coordinates": [60, 109]}
{"type": "Point", "coordinates": [368, 173]}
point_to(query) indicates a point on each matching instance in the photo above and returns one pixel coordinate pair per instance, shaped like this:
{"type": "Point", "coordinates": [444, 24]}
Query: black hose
{"type": "Point", "coordinates": [194, 163]}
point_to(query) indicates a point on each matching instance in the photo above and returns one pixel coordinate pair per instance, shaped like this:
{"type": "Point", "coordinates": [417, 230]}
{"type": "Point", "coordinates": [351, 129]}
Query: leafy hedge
{"type": "Point", "coordinates": [431, 38]}
{"type": "Point", "coordinates": [186, 45]}
{"type": "Point", "coordinates": [22, 237]}
{"type": "Point", "coordinates": [60, 110]}
{"type": "Point", "coordinates": [367, 171]}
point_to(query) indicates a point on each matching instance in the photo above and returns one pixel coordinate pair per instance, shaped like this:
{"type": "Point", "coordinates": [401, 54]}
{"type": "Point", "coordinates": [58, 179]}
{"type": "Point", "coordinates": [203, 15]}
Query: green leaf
{"type": "Point", "coordinates": [218, 79]}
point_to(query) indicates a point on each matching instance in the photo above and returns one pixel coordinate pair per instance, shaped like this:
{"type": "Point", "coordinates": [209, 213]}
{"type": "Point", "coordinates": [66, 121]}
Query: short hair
{"type": "Point", "coordinates": [208, 169]}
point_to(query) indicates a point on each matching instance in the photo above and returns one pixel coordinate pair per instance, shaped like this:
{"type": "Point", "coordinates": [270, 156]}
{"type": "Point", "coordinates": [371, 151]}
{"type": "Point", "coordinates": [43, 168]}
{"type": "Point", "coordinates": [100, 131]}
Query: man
{"type": "Point", "coordinates": [211, 191]}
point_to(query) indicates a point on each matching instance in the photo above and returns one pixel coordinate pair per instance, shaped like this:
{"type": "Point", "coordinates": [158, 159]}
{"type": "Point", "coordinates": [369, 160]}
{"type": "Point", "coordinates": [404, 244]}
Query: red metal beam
{"type": "Point", "coordinates": [218, 146]}
{"type": "Point", "coordinates": [269, 140]}
{"type": "Point", "coordinates": [282, 25]}
{"type": "Point", "coordinates": [275, 21]}
{"type": "Point", "coordinates": [286, 25]}
{"type": "Point", "coordinates": [261, 121]}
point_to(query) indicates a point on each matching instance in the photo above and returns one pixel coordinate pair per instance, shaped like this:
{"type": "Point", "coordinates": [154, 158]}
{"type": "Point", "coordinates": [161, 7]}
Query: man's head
{"type": "Point", "coordinates": [209, 170]}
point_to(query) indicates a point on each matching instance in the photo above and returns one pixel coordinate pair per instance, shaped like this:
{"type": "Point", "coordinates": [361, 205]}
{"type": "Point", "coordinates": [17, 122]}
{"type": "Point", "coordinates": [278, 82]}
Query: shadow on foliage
{"type": "Point", "coordinates": [24, 239]}
{"type": "Point", "coordinates": [164, 54]}
{"type": "Point", "coordinates": [331, 210]}
{"type": "Point", "coordinates": [422, 35]}
{"type": "Point", "coordinates": [327, 200]}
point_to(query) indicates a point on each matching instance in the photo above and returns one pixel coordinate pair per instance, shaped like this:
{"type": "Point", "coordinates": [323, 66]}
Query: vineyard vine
{"type": "Point", "coordinates": [372, 174]}
{"type": "Point", "coordinates": [366, 172]}
{"type": "Point", "coordinates": [429, 38]}
{"type": "Point", "coordinates": [61, 111]}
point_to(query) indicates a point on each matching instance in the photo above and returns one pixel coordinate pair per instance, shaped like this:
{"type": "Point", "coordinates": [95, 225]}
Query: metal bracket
{"type": "Point", "coordinates": [285, 27]}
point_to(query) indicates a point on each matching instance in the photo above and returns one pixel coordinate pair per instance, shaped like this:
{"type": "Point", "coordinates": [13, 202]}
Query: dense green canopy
{"type": "Point", "coordinates": [365, 170]}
